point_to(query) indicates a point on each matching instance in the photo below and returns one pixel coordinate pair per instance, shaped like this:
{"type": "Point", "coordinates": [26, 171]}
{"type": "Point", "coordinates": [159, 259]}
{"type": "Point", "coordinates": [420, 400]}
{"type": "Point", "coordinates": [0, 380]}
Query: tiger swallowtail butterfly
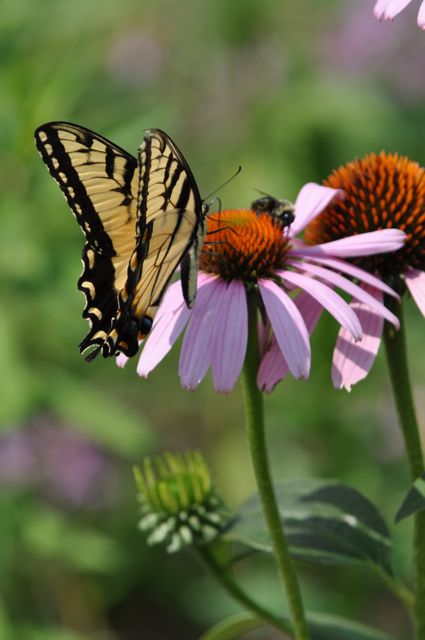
{"type": "Point", "coordinates": [141, 219]}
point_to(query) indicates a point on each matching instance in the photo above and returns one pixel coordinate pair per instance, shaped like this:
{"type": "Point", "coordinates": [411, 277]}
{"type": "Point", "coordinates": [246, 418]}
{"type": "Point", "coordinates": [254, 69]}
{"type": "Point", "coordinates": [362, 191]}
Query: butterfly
{"type": "Point", "coordinates": [141, 219]}
{"type": "Point", "coordinates": [281, 210]}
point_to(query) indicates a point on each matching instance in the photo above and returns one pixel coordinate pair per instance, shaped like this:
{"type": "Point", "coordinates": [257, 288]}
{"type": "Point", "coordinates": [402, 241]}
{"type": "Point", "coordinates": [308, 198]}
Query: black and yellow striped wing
{"type": "Point", "coordinates": [100, 183]}
{"type": "Point", "coordinates": [141, 219]}
{"type": "Point", "coordinates": [170, 224]}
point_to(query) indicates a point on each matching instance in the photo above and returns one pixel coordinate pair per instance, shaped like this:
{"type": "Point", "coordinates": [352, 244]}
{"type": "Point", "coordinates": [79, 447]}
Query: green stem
{"type": "Point", "coordinates": [258, 449]}
{"type": "Point", "coordinates": [238, 593]}
{"type": "Point", "coordinates": [400, 590]}
{"type": "Point", "coordinates": [395, 344]}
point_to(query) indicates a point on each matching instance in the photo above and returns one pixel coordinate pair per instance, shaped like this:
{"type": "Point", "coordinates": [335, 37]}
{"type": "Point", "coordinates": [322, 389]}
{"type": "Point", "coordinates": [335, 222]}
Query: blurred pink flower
{"type": "Point", "coordinates": [253, 255]}
{"type": "Point", "coordinates": [388, 9]}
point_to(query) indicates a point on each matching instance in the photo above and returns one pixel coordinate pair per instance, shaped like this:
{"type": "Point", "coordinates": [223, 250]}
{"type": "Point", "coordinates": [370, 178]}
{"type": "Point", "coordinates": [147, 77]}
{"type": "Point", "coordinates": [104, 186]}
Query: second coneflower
{"type": "Point", "coordinates": [250, 255]}
{"type": "Point", "coordinates": [384, 191]}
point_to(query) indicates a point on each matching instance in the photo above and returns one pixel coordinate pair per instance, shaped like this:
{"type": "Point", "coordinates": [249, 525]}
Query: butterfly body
{"type": "Point", "coordinates": [140, 218]}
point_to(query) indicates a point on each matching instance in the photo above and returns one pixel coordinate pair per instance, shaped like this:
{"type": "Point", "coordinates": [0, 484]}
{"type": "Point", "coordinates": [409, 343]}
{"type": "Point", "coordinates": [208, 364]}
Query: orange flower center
{"type": "Point", "coordinates": [382, 191]}
{"type": "Point", "coordinates": [243, 245]}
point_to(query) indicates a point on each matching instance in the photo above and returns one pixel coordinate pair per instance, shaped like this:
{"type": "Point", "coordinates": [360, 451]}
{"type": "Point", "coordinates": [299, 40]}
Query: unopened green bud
{"type": "Point", "coordinates": [179, 502]}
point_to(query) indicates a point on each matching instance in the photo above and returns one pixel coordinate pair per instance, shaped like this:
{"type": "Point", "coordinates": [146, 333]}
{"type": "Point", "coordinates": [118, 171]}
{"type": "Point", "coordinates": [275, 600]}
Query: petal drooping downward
{"type": "Point", "coordinates": [352, 361]}
{"type": "Point", "coordinates": [359, 293]}
{"type": "Point", "coordinates": [336, 305]}
{"type": "Point", "coordinates": [196, 352]}
{"type": "Point", "coordinates": [229, 337]}
{"type": "Point", "coordinates": [273, 366]}
{"type": "Point", "coordinates": [415, 282]}
{"type": "Point", "coordinates": [356, 272]}
{"type": "Point", "coordinates": [167, 327]}
{"type": "Point", "coordinates": [288, 326]}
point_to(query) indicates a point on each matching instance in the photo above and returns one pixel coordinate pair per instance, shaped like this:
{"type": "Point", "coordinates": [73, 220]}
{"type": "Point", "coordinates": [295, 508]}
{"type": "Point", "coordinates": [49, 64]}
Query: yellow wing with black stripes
{"type": "Point", "coordinates": [169, 225]}
{"type": "Point", "coordinates": [141, 219]}
{"type": "Point", "coordinates": [100, 183]}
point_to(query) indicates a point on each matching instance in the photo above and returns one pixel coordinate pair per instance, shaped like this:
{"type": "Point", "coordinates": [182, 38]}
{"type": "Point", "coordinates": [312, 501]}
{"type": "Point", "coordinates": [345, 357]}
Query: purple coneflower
{"type": "Point", "coordinates": [388, 9]}
{"type": "Point", "coordinates": [382, 191]}
{"type": "Point", "coordinates": [253, 256]}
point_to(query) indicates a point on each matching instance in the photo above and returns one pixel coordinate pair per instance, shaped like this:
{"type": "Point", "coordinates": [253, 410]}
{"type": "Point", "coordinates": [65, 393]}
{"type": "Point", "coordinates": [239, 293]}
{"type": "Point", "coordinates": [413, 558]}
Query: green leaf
{"type": "Point", "coordinates": [414, 500]}
{"type": "Point", "coordinates": [234, 626]}
{"type": "Point", "coordinates": [325, 522]}
{"type": "Point", "coordinates": [322, 627]}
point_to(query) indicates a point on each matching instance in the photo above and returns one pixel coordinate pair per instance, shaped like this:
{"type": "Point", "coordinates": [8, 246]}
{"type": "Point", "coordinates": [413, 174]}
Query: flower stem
{"type": "Point", "coordinates": [258, 449]}
{"type": "Point", "coordinates": [238, 593]}
{"type": "Point", "coordinates": [395, 345]}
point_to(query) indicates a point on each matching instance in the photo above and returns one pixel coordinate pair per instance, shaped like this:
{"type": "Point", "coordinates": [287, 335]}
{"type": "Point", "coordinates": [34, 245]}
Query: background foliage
{"type": "Point", "coordinates": [289, 90]}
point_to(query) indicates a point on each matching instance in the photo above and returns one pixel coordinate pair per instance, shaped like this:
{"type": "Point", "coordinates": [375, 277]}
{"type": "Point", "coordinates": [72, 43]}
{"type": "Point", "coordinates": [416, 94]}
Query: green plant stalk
{"type": "Point", "coordinates": [254, 413]}
{"type": "Point", "coordinates": [395, 346]}
{"type": "Point", "coordinates": [223, 576]}
{"type": "Point", "coordinates": [400, 590]}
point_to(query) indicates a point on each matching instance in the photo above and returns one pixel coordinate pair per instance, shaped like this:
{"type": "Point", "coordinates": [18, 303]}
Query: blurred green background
{"type": "Point", "coordinates": [289, 90]}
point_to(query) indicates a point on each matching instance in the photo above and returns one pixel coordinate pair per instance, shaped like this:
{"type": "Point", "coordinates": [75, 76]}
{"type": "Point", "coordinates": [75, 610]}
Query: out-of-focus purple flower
{"type": "Point", "coordinates": [61, 462]}
{"type": "Point", "coordinates": [354, 44]}
{"type": "Point", "coordinates": [389, 9]}
{"type": "Point", "coordinates": [18, 463]}
{"type": "Point", "coordinates": [252, 255]}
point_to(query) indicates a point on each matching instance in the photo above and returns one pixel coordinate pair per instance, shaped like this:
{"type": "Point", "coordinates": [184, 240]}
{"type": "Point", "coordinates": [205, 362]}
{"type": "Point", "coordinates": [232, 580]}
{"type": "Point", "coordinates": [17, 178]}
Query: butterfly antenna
{"type": "Point", "coordinates": [263, 193]}
{"type": "Point", "coordinates": [237, 172]}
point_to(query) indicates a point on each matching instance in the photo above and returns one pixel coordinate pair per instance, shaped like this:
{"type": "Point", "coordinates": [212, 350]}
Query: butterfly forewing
{"type": "Point", "coordinates": [140, 218]}
{"type": "Point", "coordinates": [100, 182]}
{"type": "Point", "coordinates": [170, 216]}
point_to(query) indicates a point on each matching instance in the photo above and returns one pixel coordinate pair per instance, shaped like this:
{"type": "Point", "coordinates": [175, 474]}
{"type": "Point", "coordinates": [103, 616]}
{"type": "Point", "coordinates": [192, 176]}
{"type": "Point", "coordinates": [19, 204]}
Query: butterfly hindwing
{"type": "Point", "coordinates": [100, 183]}
{"type": "Point", "coordinates": [169, 226]}
{"type": "Point", "coordinates": [189, 266]}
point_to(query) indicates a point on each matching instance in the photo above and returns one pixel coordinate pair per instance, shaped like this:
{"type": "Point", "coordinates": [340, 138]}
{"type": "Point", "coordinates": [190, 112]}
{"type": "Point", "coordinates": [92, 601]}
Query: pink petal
{"type": "Point", "coordinates": [353, 361]}
{"type": "Point", "coordinates": [170, 304]}
{"type": "Point", "coordinates": [311, 201]}
{"type": "Point", "coordinates": [169, 322]}
{"type": "Point", "coordinates": [353, 289]}
{"type": "Point", "coordinates": [363, 244]}
{"type": "Point", "coordinates": [121, 360]}
{"type": "Point", "coordinates": [264, 335]}
{"type": "Point", "coordinates": [288, 326]}
{"type": "Point", "coordinates": [229, 337]}
{"type": "Point", "coordinates": [388, 9]}
{"type": "Point", "coordinates": [415, 282]}
{"type": "Point", "coordinates": [196, 352]}
{"type": "Point", "coordinates": [421, 16]}
{"type": "Point", "coordinates": [379, 8]}
{"type": "Point", "coordinates": [328, 299]}
{"type": "Point", "coordinates": [352, 270]}
{"type": "Point", "coordinates": [273, 366]}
